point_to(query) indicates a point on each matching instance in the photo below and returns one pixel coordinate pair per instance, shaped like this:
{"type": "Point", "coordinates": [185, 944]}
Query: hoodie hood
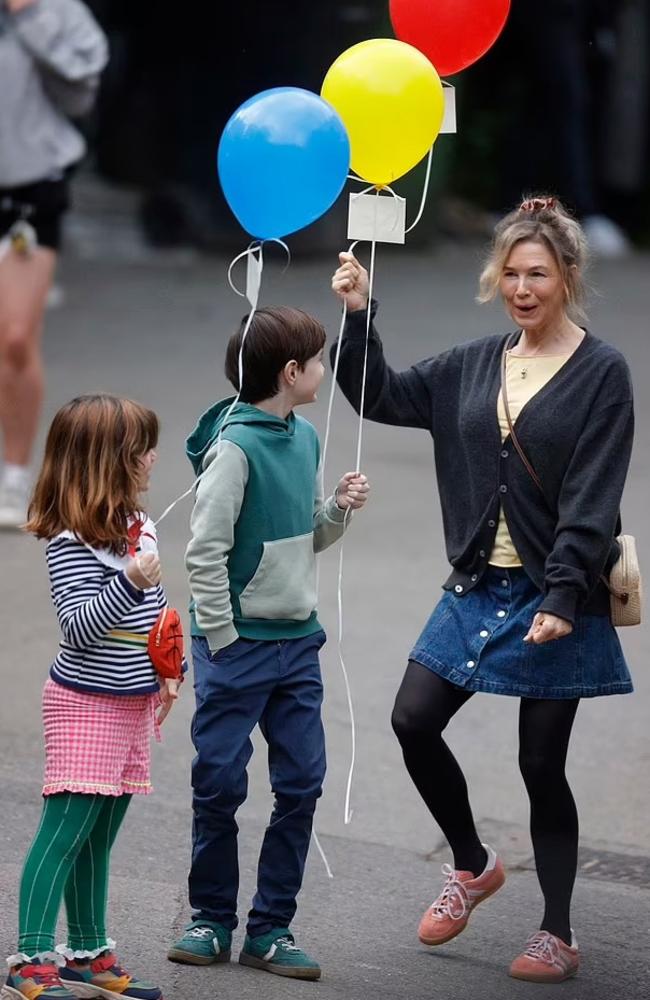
{"type": "Point", "coordinates": [212, 422]}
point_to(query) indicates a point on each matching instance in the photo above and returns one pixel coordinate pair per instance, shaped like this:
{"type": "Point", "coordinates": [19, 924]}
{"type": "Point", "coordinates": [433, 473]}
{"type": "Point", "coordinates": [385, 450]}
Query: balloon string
{"type": "Point", "coordinates": [249, 251]}
{"type": "Point", "coordinates": [335, 370]}
{"type": "Point", "coordinates": [347, 809]}
{"type": "Point", "coordinates": [256, 247]}
{"type": "Point", "coordinates": [371, 282]}
{"type": "Point", "coordinates": [322, 853]}
{"type": "Point", "coordinates": [348, 690]}
{"type": "Point", "coordinates": [386, 187]}
{"type": "Point", "coordinates": [425, 192]}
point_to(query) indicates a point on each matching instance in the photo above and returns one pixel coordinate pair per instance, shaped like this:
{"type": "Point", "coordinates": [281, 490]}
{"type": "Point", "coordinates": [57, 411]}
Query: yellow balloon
{"type": "Point", "coordinates": [391, 101]}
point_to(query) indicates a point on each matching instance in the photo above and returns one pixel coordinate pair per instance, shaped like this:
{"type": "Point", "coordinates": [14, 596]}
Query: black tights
{"type": "Point", "coordinates": [425, 703]}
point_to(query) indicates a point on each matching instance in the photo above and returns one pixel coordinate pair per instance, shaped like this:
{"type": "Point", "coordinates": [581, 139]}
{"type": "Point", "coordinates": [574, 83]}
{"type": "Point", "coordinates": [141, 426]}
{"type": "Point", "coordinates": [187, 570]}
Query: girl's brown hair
{"type": "Point", "coordinates": [90, 478]}
{"type": "Point", "coordinates": [542, 220]}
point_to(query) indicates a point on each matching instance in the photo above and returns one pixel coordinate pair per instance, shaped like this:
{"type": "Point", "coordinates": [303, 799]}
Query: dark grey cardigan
{"type": "Point", "coordinates": [576, 431]}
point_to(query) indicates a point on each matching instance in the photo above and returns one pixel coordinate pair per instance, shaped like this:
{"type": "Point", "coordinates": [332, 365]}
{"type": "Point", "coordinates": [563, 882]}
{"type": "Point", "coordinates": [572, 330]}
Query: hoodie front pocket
{"type": "Point", "coordinates": [284, 584]}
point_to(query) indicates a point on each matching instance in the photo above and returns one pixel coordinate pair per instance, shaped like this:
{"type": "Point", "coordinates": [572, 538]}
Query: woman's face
{"type": "Point", "coordinates": [533, 288]}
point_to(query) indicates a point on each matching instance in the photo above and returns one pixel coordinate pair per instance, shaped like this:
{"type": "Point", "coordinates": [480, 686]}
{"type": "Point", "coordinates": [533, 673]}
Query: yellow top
{"type": "Point", "coordinates": [524, 378]}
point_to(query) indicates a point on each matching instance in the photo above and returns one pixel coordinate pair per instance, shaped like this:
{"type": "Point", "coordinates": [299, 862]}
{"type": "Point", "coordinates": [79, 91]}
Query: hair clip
{"type": "Point", "coordinates": [533, 206]}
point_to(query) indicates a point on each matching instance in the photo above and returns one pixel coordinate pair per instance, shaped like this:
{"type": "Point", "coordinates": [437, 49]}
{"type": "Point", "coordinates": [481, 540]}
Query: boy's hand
{"type": "Point", "coordinates": [350, 282]}
{"type": "Point", "coordinates": [352, 491]}
{"type": "Point", "coordinates": [168, 695]}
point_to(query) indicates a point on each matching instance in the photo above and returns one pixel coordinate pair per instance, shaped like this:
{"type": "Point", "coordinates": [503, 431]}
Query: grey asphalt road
{"type": "Point", "coordinates": [155, 327]}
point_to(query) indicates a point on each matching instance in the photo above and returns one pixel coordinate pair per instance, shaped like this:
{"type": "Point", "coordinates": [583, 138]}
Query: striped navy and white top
{"type": "Point", "coordinates": [104, 618]}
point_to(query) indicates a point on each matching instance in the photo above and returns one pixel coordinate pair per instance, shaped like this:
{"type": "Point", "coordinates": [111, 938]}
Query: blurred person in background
{"type": "Point", "coordinates": [569, 56]}
{"type": "Point", "coordinates": [51, 55]}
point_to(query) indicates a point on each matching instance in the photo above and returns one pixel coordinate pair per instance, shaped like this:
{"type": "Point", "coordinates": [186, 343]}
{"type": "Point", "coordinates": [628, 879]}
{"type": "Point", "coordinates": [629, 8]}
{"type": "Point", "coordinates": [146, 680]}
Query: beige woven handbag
{"type": "Point", "coordinates": [625, 584]}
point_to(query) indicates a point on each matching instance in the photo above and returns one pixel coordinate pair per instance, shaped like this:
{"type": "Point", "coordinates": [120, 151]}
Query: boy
{"type": "Point", "coordinates": [258, 520]}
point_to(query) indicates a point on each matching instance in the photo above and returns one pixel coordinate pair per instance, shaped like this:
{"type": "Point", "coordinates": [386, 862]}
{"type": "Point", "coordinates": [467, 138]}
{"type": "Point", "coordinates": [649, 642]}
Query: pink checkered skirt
{"type": "Point", "coordinates": [97, 744]}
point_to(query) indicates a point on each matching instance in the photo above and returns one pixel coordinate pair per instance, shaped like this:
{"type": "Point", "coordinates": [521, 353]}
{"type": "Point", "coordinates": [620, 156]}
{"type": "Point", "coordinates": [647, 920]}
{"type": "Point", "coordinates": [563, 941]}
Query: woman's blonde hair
{"type": "Point", "coordinates": [540, 220]}
{"type": "Point", "coordinates": [90, 478]}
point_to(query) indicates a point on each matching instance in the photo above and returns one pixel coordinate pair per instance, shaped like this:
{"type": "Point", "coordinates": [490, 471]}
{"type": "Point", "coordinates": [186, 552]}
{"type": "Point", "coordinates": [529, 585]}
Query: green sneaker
{"type": "Point", "coordinates": [203, 943]}
{"type": "Point", "coordinates": [277, 952]}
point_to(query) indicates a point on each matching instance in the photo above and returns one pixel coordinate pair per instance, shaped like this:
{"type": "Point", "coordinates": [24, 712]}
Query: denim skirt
{"type": "Point", "coordinates": [476, 642]}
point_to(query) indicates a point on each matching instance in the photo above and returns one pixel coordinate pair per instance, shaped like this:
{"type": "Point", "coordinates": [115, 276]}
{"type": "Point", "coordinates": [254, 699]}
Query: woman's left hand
{"type": "Point", "coordinates": [169, 690]}
{"type": "Point", "coordinates": [352, 491]}
{"type": "Point", "coordinates": [547, 627]}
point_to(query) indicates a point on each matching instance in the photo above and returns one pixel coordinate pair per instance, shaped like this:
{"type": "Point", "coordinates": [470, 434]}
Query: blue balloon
{"type": "Point", "coordinates": [283, 160]}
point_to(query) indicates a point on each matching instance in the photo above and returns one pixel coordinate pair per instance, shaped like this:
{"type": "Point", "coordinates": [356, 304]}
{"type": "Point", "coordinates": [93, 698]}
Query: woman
{"type": "Point", "coordinates": [526, 564]}
{"type": "Point", "coordinates": [51, 54]}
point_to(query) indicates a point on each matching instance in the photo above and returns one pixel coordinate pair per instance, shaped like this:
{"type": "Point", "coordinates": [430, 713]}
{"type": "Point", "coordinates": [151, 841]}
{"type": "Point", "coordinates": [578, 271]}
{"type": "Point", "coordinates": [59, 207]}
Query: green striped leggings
{"type": "Point", "coordinates": [69, 856]}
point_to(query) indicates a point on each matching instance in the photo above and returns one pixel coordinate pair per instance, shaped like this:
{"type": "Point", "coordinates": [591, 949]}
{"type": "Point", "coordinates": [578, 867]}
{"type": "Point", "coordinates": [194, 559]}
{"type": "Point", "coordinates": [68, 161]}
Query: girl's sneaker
{"type": "Point", "coordinates": [103, 977]}
{"type": "Point", "coordinates": [34, 979]}
{"type": "Point", "coordinates": [448, 914]}
{"type": "Point", "coordinates": [546, 959]}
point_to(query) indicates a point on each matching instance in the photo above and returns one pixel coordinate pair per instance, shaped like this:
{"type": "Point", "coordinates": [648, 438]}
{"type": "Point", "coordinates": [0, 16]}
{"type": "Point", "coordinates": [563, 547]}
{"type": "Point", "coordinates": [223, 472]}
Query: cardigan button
{"type": "Point", "coordinates": [458, 588]}
{"type": "Point", "coordinates": [503, 488]}
{"type": "Point", "coordinates": [482, 553]}
{"type": "Point", "coordinates": [474, 577]}
{"type": "Point", "coordinates": [492, 524]}
{"type": "Point", "coordinates": [504, 453]}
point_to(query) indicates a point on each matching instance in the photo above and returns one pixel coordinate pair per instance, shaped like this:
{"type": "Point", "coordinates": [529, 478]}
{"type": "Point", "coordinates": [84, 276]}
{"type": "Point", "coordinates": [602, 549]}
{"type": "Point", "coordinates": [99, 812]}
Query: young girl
{"type": "Point", "coordinates": [100, 701]}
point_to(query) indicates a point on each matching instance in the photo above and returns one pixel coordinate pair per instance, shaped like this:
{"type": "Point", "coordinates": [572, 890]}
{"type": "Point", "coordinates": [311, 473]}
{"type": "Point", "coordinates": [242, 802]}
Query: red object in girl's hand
{"type": "Point", "coordinates": [452, 34]}
{"type": "Point", "coordinates": [165, 644]}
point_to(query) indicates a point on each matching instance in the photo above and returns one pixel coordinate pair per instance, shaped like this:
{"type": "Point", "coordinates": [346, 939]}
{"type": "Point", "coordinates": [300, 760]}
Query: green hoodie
{"type": "Point", "coordinates": [258, 520]}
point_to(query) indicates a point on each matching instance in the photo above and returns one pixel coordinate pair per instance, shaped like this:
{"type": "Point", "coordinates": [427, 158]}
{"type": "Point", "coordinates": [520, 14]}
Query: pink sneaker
{"type": "Point", "coordinates": [448, 914]}
{"type": "Point", "coordinates": [546, 959]}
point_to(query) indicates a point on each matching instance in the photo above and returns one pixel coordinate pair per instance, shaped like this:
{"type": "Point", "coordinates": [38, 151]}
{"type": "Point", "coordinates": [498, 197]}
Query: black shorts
{"type": "Point", "coordinates": [42, 205]}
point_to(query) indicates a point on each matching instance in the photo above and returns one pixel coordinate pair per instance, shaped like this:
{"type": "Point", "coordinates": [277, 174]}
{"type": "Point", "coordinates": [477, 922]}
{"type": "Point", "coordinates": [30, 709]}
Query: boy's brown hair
{"type": "Point", "coordinates": [277, 335]}
{"type": "Point", "coordinates": [90, 478]}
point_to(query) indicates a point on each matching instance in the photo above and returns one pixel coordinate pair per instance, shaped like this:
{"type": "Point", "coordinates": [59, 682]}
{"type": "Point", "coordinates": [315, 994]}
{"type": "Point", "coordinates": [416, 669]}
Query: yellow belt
{"type": "Point", "coordinates": [121, 638]}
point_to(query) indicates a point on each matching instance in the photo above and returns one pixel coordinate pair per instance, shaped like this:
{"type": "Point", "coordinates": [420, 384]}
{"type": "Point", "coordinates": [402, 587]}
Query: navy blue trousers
{"type": "Point", "coordinates": [277, 685]}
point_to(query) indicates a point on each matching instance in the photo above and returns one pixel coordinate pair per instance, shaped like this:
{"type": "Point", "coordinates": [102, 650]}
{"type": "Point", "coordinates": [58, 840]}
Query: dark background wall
{"type": "Point", "coordinates": [561, 101]}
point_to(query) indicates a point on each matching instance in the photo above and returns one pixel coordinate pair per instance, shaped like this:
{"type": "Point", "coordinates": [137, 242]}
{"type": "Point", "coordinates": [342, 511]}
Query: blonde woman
{"type": "Point", "coordinates": [524, 610]}
{"type": "Point", "coordinates": [51, 54]}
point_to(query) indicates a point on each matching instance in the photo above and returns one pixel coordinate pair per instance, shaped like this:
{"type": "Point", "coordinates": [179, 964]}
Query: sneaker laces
{"type": "Point", "coordinates": [44, 975]}
{"type": "Point", "coordinates": [201, 933]}
{"type": "Point", "coordinates": [543, 947]}
{"type": "Point", "coordinates": [453, 901]}
{"type": "Point", "coordinates": [287, 943]}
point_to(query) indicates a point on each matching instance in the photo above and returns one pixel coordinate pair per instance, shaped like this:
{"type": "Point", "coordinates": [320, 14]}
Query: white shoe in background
{"type": "Point", "coordinates": [605, 237]}
{"type": "Point", "coordinates": [55, 297]}
{"type": "Point", "coordinates": [15, 489]}
{"type": "Point", "coordinates": [13, 507]}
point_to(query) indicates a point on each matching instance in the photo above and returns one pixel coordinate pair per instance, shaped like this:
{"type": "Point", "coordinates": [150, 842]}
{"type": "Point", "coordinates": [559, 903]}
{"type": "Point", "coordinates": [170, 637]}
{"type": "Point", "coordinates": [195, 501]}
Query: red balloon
{"type": "Point", "coordinates": [453, 34]}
